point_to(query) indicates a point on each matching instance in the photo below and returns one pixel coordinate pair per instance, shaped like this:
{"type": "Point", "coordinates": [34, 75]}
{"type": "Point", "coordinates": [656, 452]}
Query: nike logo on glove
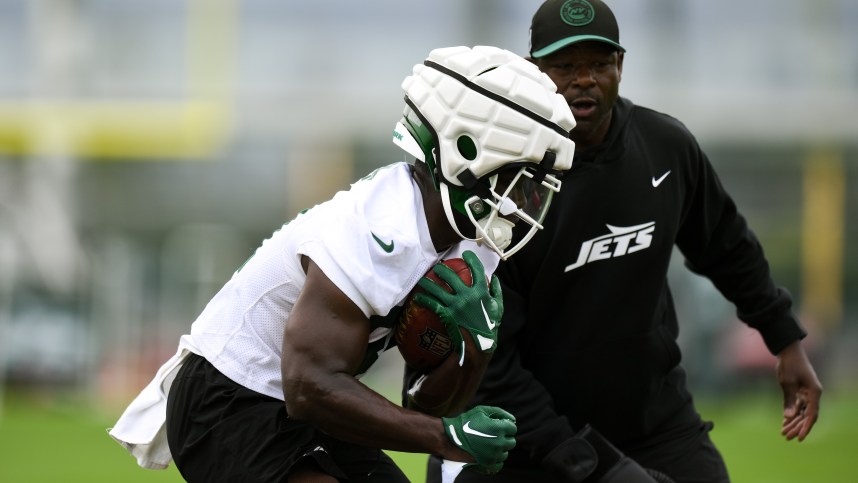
{"type": "Point", "coordinates": [486, 315]}
{"type": "Point", "coordinates": [656, 182]}
{"type": "Point", "coordinates": [454, 435]}
{"type": "Point", "coordinates": [485, 342]}
{"type": "Point", "coordinates": [467, 428]}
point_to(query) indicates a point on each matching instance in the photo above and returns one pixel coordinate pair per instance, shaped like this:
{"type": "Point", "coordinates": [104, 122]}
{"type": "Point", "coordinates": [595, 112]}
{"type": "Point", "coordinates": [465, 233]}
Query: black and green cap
{"type": "Point", "coordinates": [560, 23]}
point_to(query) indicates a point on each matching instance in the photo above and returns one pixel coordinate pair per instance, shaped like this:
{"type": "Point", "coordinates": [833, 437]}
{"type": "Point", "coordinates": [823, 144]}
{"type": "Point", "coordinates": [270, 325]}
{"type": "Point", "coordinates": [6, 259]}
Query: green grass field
{"type": "Point", "coordinates": [50, 440]}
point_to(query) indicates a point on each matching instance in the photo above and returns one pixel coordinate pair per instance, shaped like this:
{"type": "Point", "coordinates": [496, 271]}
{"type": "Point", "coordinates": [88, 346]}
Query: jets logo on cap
{"type": "Point", "coordinates": [577, 13]}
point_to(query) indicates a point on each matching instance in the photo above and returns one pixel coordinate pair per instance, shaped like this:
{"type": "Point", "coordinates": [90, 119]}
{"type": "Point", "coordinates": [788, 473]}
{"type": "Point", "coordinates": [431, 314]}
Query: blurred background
{"type": "Point", "coordinates": [148, 146]}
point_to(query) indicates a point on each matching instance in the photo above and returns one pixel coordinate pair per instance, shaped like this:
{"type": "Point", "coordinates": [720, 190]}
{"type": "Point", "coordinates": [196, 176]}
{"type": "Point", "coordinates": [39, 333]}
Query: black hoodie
{"type": "Point", "coordinates": [589, 328]}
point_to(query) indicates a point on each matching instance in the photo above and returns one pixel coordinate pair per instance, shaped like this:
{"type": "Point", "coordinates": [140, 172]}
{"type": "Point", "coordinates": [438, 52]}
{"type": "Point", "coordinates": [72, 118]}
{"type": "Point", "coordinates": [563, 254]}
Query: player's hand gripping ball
{"type": "Point", "coordinates": [420, 335]}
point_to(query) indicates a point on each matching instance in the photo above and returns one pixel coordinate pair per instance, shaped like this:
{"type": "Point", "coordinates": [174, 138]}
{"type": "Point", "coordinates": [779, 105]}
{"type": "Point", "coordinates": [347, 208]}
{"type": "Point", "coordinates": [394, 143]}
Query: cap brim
{"type": "Point", "coordinates": [550, 49]}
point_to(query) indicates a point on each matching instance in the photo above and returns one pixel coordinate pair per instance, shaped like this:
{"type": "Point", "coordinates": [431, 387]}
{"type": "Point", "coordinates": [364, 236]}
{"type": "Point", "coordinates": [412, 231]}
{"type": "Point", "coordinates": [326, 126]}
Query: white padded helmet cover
{"type": "Point", "coordinates": [501, 133]}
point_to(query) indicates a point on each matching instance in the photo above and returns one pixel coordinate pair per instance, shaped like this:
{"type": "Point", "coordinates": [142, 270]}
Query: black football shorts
{"type": "Point", "coordinates": [219, 431]}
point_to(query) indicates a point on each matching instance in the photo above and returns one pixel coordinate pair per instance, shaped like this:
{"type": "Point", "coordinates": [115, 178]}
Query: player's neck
{"type": "Point", "coordinates": [442, 234]}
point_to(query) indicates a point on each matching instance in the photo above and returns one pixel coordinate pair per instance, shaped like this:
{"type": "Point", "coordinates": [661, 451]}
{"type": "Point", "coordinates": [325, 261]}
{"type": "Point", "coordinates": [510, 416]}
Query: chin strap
{"type": "Point", "coordinates": [448, 209]}
{"type": "Point", "coordinates": [499, 231]}
{"type": "Point", "coordinates": [494, 231]}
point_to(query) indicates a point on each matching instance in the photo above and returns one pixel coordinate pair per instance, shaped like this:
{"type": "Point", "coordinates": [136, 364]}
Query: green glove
{"type": "Point", "coordinates": [486, 433]}
{"type": "Point", "coordinates": [478, 309]}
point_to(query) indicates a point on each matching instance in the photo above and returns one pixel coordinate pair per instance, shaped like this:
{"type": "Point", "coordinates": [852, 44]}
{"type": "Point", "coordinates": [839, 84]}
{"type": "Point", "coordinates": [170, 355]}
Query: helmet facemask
{"type": "Point", "coordinates": [517, 195]}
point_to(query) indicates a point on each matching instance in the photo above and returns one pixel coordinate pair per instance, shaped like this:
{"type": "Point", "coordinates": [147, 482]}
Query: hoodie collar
{"type": "Point", "coordinates": [612, 146]}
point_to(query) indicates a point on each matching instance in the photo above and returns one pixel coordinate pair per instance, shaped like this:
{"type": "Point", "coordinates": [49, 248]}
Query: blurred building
{"type": "Point", "coordinates": [147, 147]}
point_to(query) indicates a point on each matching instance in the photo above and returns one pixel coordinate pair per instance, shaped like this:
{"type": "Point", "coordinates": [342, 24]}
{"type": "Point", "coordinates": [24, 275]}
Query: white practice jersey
{"type": "Point", "coordinates": [372, 241]}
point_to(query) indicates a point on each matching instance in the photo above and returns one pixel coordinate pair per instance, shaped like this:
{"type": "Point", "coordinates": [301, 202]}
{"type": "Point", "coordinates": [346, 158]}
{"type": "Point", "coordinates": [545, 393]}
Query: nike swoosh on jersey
{"type": "Point", "coordinates": [387, 247]}
{"type": "Point", "coordinates": [656, 182]}
{"type": "Point", "coordinates": [467, 428]}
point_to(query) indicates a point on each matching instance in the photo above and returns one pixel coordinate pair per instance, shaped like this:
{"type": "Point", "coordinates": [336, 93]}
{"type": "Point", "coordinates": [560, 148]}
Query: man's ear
{"type": "Point", "coordinates": [620, 57]}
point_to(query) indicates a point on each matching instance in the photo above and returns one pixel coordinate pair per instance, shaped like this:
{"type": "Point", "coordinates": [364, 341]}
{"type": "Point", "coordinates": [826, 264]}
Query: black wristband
{"type": "Point", "coordinates": [572, 460]}
{"type": "Point", "coordinates": [588, 457]}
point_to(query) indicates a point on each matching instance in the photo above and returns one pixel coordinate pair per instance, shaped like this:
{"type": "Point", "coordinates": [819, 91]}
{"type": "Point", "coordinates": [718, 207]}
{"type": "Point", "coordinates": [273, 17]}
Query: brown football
{"type": "Point", "coordinates": [420, 335]}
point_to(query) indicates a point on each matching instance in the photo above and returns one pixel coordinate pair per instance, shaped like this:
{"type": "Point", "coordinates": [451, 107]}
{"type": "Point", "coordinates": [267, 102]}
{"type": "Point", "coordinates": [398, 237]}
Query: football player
{"type": "Point", "coordinates": [266, 386]}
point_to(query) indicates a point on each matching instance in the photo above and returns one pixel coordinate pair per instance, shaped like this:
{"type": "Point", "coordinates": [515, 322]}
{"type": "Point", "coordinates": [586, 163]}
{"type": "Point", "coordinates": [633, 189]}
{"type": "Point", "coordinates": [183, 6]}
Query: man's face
{"type": "Point", "coordinates": [588, 75]}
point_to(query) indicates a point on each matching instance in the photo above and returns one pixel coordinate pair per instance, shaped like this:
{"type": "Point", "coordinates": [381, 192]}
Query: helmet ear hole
{"type": "Point", "coordinates": [467, 147]}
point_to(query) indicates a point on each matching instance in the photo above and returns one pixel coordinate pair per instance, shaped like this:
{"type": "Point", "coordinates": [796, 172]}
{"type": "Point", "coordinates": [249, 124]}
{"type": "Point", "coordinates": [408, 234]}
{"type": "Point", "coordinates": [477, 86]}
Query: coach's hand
{"type": "Point", "coordinates": [486, 433]}
{"type": "Point", "coordinates": [477, 309]}
{"type": "Point", "coordinates": [802, 391]}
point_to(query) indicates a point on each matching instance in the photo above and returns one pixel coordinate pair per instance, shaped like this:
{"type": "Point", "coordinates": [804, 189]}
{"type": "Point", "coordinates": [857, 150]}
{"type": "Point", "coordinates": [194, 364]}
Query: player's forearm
{"type": "Point", "coordinates": [348, 410]}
